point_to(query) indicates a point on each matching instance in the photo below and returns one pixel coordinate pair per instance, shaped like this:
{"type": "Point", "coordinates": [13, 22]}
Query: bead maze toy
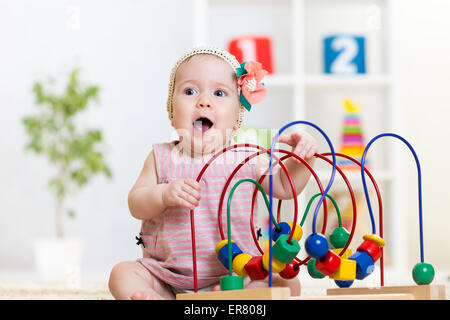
{"type": "Point", "coordinates": [327, 256]}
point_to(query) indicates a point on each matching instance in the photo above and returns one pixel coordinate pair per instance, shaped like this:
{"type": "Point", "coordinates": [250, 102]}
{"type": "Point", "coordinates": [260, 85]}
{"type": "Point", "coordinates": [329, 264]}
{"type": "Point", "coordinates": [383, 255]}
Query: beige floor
{"type": "Point", "coordinates": [52, 291]}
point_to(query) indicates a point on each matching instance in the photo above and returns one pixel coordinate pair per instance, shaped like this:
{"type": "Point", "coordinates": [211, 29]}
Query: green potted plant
{"type": "Point", "coordinates": [76, 157]}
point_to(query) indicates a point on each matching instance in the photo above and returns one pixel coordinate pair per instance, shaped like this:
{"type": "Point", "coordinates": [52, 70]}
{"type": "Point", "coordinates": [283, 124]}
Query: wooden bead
{"type": "Point", "coordinates": [231, 283]}
{"type": "Point", "coordinates": [277, 266]}
{"type": "Point", "coordinates": [329, 264]}
{"type": "Point", "coordinates": [423, 273]}
{"type": "Point", "coordinates": [298, 231]}
{"type": "Point", "coordinates": [221, 244]}
{"type": "Point", "coordinates": [313, 272]}
{"type": "Point", "coordinates": [290, 271]}
{"type": "Point", "coordinates": [316, 245]}
{"type": "Point", "coordinates": [284, 251]}
{"type": "Point", "coordinates": [371, 248]}
{"type": "Point", "coordinates": [223, 253]}
{"type": "Point", "coordinates": [255, 268]}
{"type": "Point", "coordinates": [364, 264]}
{"type": "Point", "coordinates": [339, 237]}
{"type": "Point", "coordinates": [239, 263]}
{"type": "Point", "coordinates": [345, 255]}
{"type": "Point", "coordinates": [284, 229]}
{"type": "Point", "coordinates": [379, 241]}
{"type": "Point", "coordinates": [346, 271]}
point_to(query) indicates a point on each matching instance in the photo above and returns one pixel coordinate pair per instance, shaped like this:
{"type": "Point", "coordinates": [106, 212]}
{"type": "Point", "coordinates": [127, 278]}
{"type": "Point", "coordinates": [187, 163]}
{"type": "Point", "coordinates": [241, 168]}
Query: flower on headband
{"type": "Point", "coordinates": [252, 91]}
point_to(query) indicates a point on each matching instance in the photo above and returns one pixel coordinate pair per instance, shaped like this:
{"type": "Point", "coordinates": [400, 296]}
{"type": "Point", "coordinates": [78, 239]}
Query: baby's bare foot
{"type": "Point", "coordinates": [143, 295]}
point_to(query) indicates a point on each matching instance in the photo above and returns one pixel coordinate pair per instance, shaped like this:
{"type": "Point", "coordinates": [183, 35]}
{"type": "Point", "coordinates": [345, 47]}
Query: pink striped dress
{"type": "Point", "coordinates": [167, 250]}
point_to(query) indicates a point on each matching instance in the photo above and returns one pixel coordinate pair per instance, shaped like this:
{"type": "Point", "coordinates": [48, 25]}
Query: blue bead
{"type": "Point", "coordinates": [364, 264]}
{"type": "Point", "coordinates": [223, 253]}
{"type": "Point", "coordinates": [344, 284]}
{"type": "Point", "coordinates": [316, 245]}
{"type": "Point", "coordinates": [285, 229]}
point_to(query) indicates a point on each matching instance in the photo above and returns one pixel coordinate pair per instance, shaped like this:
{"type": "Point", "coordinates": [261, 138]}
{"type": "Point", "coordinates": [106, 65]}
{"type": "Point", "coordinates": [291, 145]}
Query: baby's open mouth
{"type": "Point", "coordinates": [202, 124]}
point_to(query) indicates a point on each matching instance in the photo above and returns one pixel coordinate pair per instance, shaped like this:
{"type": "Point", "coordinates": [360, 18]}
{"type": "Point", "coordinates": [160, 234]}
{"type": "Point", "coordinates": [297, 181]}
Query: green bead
{"type": "Point", "coordinates": [283, 251]}
{"type": "Point", "coordinates": [231, 283]}
{"type": "Point", "coordinates": [313, 272]}
{"type": "Point", "coordinates": [423, 273]}
{"type": "Point", "coordinates": [339, 237]}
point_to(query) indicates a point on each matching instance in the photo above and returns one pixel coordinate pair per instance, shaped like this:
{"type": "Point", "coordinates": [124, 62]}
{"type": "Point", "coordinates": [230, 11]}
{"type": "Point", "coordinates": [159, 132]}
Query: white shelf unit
{"type": "Point", "coordinates": [299, 90]}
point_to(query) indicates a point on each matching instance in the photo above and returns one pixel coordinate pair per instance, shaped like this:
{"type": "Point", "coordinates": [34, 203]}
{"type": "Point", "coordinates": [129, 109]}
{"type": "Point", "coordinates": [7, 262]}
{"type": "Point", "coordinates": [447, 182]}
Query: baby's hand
{"type": "Point", "coordinates": [182, 192]}
{"type": "Point", "coordinates": [302, 144]}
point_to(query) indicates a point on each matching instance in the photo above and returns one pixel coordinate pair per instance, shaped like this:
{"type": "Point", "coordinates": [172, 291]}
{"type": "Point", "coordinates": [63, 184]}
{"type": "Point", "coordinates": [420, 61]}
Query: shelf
{"type": "Point", "coordinates": [323, 81]}
{"type": "Point", "coordinates": [319, 81]}
{"type": "Point", "coordinates": [280, 80]}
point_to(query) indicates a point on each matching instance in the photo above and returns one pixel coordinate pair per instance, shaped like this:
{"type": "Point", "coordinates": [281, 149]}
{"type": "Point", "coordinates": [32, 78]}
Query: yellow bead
{"type": "Point", "coordinates": [298, 232]}
{"type": "Point", "coordinates": [277, 266]}
{"type": "Point", "coordinates": [373, 237]}
{"type": "Point", "coordinates": [346, 271]}
{"type": "Point", "coordinates": [221, 244]}
{"type": "Point", "coordinates": [345, 255]}
{"type": "Point", "coordinates": [239, 263]}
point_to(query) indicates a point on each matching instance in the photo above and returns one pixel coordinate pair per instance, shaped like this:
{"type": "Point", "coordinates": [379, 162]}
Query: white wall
{"type": "Point", "coordinates": [125, 47]}
{"type": "Point", "coordinates": [424, 80]}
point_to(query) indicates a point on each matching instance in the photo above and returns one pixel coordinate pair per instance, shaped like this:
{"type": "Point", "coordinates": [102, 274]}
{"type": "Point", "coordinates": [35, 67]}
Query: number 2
{"type": "Point", "coordinates": [343, 62]}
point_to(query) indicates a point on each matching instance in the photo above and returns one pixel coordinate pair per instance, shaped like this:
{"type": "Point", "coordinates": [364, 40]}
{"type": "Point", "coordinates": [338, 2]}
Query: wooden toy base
{"type": "Point", "coordinates": [425, 292]}
{"type": "Point", "coordinates": [245, 294]}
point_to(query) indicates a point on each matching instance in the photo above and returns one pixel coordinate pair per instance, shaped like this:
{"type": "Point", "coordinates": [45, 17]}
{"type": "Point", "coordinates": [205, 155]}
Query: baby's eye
{"type": "Point", "coordinates": [189, 91]}
{"type": "Point", "coordinates": [220, 93]}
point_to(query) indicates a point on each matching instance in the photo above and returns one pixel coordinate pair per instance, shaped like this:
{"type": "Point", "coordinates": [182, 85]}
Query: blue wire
{"type": "Point", "coordinates": [275, 139]}
{"type": "Point", "coordinates": [419, 173]}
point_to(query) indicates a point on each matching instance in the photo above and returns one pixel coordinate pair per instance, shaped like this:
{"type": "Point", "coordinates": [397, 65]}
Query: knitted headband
{"type": "Point", "coordinates": [218, 52]}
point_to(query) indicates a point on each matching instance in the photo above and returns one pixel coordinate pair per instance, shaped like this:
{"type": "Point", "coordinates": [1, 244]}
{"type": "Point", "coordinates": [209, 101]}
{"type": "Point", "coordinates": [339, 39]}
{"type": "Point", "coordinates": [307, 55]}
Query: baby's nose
{"type": "Point", "coordinates": [203, 102]}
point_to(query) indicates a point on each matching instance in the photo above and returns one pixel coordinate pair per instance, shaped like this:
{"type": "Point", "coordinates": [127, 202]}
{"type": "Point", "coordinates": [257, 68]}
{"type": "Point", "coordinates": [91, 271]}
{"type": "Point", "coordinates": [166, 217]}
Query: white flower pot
{"type": "Point", "coordinates": [59, 260]}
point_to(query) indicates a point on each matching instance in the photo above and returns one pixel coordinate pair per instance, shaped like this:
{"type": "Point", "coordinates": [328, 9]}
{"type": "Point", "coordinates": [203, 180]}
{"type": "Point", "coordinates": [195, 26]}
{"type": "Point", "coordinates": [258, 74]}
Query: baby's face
{"type": "Point", "coordinates": [205, 104]}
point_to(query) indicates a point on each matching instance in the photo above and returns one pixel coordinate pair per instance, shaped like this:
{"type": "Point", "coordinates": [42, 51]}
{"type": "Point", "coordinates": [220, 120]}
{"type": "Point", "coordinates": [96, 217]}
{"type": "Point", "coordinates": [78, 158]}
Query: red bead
{"type": "Point", "coordinates": [291, 271]}
{"type": "Point", "coordinates": [328, 265]}
{"type": "Point", "coordinates": [371, 248]}
{"type": "Point", "coordinates": [254, 268]}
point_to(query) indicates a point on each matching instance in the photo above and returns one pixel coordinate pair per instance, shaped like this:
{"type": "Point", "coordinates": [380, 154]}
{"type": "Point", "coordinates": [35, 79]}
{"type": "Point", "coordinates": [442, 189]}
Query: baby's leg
{"type": "Point", "coordinates": [131, 280]}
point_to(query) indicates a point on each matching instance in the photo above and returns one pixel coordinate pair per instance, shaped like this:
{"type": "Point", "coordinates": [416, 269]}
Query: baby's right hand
{"type": "Point", "coordinates": [182, 192]}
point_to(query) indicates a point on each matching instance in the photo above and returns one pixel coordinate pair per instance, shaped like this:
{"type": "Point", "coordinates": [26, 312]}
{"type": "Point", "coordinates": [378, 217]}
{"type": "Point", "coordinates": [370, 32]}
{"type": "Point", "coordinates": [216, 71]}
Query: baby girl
{"type": "Point", "coordinates": [208, 96]}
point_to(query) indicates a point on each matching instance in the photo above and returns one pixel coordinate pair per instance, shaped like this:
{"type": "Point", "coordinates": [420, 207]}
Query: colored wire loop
{"type": "Point", "coordinates": [419, 175]}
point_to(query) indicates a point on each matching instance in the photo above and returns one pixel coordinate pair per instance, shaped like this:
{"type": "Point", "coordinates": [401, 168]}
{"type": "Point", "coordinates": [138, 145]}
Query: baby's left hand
{"type": "Point", "coordinates": [302, 144]}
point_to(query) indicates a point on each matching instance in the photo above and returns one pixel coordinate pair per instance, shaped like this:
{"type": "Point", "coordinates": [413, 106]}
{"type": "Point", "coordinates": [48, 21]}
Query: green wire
{"type": "Point", "coordinates": [228, 214]}
{"type": "Point", "coordinates": [309, 205]}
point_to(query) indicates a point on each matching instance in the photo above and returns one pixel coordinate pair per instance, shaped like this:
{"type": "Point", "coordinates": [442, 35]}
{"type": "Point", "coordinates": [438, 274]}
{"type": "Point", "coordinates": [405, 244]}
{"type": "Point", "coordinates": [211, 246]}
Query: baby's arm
{"type": "Point", "coordinates": [147, 198]}
{"type": "Point", "coordinates": [303, 145]}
